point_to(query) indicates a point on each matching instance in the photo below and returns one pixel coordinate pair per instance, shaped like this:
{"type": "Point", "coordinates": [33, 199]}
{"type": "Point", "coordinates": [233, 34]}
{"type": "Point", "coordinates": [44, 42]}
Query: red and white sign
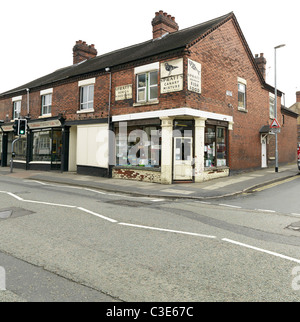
{"type": "Point", "coordinates": [275, 124]}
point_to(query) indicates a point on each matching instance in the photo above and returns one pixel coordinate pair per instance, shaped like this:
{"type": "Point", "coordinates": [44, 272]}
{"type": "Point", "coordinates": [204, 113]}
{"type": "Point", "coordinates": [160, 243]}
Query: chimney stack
{"type": "Point", "coordinates": [82, 51]}
{"type": "Point", "coordinates": [162, 24]}
{"type": "Point", "coordinates": [297, 97]}
{"type": "Point", "coordinates": [261, 63]}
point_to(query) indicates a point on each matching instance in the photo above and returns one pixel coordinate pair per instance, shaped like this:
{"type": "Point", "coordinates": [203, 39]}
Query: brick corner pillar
{"type": "Point", "coordinates": [166, 150]}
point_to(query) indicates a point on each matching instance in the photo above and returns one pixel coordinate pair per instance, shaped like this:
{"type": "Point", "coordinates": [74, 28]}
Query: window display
{"type": "Point", "coordinates": [138, 146]}
{"type": "Point", "coordinates": [215, 148]}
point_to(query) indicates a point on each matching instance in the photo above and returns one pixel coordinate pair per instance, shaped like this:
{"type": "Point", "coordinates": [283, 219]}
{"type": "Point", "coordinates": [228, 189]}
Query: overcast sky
{"type": "Point", "coordinates": [37, 36]}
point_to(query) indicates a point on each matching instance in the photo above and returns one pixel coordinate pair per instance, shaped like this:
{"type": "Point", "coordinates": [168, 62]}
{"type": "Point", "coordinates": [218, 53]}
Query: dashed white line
{"type": "Point", "coordinates": [231, 206]}
{"type": "Point", "coordinates": [163, 229]}
{"type": "Point", "coordinates": [262, 250]}
{"type": "Point", "coordinates": [167, 230]}
{"type": "Point", "coordinates": [265, 210]}
{"type": "Point", "coordinates": [97, 215]}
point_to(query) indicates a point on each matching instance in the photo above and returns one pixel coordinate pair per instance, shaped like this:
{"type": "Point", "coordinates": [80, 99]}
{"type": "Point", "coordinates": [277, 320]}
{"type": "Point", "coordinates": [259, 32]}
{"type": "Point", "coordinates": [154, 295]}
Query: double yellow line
{"type": "Point", "coordinates": [274, 184]}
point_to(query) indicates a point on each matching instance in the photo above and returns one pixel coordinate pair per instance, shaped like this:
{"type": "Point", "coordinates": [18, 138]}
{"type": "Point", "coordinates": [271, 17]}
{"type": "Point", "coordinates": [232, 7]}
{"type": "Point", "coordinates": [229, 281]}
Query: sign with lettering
{"type": "Point", "coordinates": [171, 76]}
{"type": "Point", "coordinates": [123, 92]}
{"type": "Point", "coordinates": [171, 84]}
{"type": "Point", "coordinates": [44, 124]}
{"type": "Point", "coordinates": [194, 76]}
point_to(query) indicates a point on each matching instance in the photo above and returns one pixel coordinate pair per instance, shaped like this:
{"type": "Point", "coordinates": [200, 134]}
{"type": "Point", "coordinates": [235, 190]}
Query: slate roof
{"type": "Point", "coordinates": [174, 41]}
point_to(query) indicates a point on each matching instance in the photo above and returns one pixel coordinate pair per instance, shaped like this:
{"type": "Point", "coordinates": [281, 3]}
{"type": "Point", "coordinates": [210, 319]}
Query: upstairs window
{"type": "Point", "coordinates": [147, 86]}
{"type": "Point", "coordinates": [272, 106]}
{"type": "Point", "coordinates": [17, 109]}
{"type": "Point", "coordinates": [46, 104]}
{"type": "Point", "coordinates": [87, 97]}
{"type": "Point", "coordinates": [242, 98]}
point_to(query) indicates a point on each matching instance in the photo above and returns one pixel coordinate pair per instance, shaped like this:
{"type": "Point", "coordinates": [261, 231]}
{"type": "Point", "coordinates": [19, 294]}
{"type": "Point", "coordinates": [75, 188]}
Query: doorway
{"type": "Point", "coordinates": [264, 163]}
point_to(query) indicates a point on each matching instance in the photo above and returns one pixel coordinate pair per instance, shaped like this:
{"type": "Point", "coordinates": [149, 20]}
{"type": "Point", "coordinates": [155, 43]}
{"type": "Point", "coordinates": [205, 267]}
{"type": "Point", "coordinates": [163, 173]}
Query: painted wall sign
{"type": "Point", "coordinates": [44, 124]}
{"type": "Point", "coordinates": [171, 84]}
{"type": "Point", "coordinates": [171, 68]}
{"type": "Point", "coordinates": [194, 76]}
{"type": "Point", "coordinates": [171, 76]}
{"type": "Point", "coordinates": [123, 92]}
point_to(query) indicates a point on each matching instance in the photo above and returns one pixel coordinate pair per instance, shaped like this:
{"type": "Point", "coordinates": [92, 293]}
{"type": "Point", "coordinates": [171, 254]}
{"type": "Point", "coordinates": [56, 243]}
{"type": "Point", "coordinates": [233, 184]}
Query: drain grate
{"type": "Point", "coordinates": [14, 212]}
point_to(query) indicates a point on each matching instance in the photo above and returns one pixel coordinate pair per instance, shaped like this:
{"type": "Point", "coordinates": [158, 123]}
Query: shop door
{"type": "Point", "coordinates": [182, 161]}
{"type": "Point", "coordinates": [56, 150]}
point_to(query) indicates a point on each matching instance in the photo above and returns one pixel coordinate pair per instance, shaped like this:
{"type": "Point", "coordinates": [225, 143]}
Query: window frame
{"type": "Point", "coordinates": [244, 93]}
{"type": "Point", "coordinates": [88, 100]}
{"type": "Point", "coordinates": [147, 88]}
{"type": "Point", "coordinates": [211, 155]}
{"type": "Point", "coordinates": [271, 106]}
{"type": "Point", "coordinates": [48, 107]}
{"type": "Point", "coordinates": [16, 115]}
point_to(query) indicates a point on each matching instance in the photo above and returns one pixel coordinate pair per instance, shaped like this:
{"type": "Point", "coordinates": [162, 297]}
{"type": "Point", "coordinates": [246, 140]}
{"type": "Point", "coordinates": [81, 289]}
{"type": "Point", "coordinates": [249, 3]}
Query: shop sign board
{"type": "Point", "coordinates": [171, 76]}
{"type": "Point", "coordinates": [194, 76]}
{"type": "Point", "coordinates": [123, 92]}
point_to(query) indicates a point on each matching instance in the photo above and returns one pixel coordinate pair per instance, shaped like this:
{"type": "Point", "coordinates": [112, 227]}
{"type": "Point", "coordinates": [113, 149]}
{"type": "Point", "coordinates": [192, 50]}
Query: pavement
{"type": "Point", "coordinates": [217, 188]}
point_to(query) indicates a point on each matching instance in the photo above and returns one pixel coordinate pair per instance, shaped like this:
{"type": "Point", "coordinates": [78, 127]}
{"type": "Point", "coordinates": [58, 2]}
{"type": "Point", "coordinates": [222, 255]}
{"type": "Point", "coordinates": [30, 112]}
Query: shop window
{"type": "Point", "coordinates": [147, 86]}
{"type": "Point", "coordinates": [46, 104]}
{"type": "Point", "coordinates": [138, 146]}
{"type": "Point", "coordinates": [20, 149]}
{"type": "Point", "coordinates": [47, 146]}
{"type": "Point", "coordinates": [87, 97]}
{"type": "Point", "coordinates": [215, 149]}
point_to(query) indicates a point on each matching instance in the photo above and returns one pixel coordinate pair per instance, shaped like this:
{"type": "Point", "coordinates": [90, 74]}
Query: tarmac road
{"type": "Point", "coordinates": [143, 249]}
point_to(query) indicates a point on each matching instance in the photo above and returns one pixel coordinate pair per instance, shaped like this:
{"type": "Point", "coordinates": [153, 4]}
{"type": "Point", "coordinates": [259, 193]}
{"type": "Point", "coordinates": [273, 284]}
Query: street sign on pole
{"type": "Point", "coordinates": [275, 124]}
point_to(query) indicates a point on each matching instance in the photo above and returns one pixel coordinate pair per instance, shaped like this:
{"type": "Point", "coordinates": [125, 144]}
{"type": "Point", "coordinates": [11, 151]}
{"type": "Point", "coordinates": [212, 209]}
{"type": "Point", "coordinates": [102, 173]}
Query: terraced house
{"type": "Point", "coordinates": [187, 105]}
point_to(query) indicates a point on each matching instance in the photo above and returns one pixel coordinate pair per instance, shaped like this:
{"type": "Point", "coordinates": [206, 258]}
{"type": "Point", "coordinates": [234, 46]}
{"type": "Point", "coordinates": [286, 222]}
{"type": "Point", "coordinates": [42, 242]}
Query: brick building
{"type": "Point", "coordinates": [187, 105]}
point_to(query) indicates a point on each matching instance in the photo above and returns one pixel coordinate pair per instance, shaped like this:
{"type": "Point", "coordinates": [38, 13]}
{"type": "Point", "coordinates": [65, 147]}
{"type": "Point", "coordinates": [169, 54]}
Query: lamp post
{"type": "Point", "coordinates": [276, 138]}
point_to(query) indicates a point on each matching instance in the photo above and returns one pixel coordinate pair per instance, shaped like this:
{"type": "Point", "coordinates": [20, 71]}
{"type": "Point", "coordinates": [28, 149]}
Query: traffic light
{"type": "Point", "coordinates": [22, 127]}
{"type": "Point", "coordinates": [16, 127]}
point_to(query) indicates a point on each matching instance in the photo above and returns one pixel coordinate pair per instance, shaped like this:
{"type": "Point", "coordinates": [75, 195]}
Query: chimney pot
{"type": "Point", "coordinates": [162, 24]}
{"type": "Point", "coordinates": [261, 63]}
{"type": "Point", "coordinates": [82, 51]}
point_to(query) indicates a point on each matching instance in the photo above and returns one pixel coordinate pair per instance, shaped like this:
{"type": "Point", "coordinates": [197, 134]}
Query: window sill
{"type": "Point", "coordinates": [141, 168]}
{"type": "Point", "coordinates": [146, 103]}
{"type": "Point", "coordinates": [45, 116]}
{"type": "Point", "coordinates": [241, 109]}
{"type": "Point", "coordinates": [85, 111]}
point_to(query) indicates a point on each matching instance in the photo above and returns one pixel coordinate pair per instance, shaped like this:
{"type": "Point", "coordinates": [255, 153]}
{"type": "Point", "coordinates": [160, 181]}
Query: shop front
{"type": "Point", "coordinates": [44, 147]}
{"type": "Point", "coordinates": [179, 145]}
{"type": "Point", "coordinates": [47, 147]}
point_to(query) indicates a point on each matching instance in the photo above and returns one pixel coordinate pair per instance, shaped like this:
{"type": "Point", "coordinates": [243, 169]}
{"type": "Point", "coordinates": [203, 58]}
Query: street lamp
{"type": "Point", "coordinates": [276, 138]}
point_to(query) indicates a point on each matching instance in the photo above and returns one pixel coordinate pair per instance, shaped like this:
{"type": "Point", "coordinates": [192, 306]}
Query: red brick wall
{"type": "Point", "coordinates": [224, 58]}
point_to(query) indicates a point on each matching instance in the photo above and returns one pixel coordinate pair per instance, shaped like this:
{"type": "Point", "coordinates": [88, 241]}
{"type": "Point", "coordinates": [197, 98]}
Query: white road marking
{"type": "Point", "coordinates": [231, 206]}
{"type": "Point", "coordinates": [265, 210]}
{"type": "Point", "coordinates": [167, 230]}
{"type": "Point", "coordinates": [262, 250]}
{"type": "Point", "coordinates": [97, 215]}
{"type": "Point", "coordinates": [160, 229]}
